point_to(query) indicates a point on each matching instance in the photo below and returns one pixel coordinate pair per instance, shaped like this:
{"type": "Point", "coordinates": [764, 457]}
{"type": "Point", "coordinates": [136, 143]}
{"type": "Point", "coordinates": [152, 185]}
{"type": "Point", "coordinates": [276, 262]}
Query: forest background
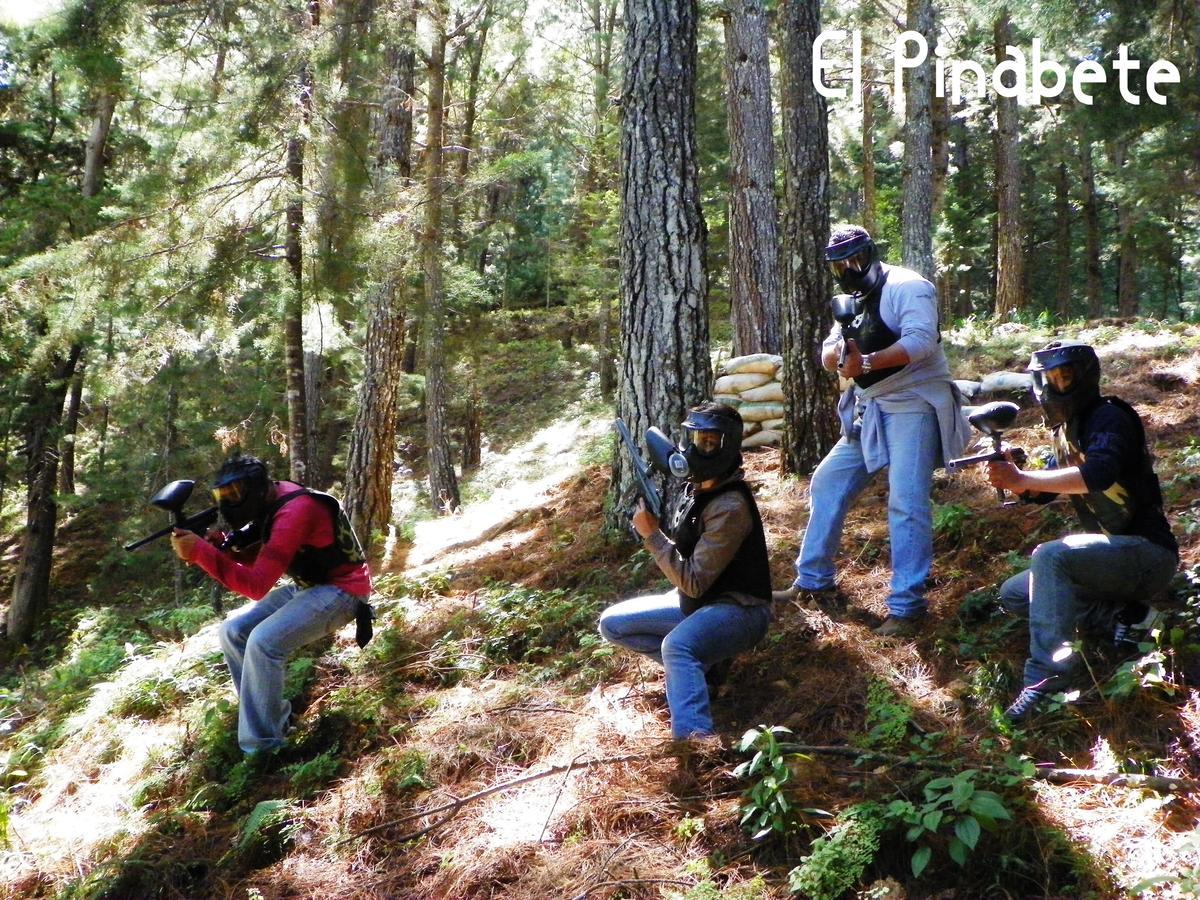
{"type": "Point", "coordinates": [368, 240]}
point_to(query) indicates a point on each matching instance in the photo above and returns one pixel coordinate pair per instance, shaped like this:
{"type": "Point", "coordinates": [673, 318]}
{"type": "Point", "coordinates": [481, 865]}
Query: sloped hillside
{"type": "Point", "coordinates": [487, 744]}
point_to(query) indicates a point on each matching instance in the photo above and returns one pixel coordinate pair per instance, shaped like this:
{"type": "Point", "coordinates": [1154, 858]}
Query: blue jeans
{"type": "Point", "coordinates": [1081, 581]}
{"type": "Point", "coordinates": [686, 647]}
{"type": "Point", "coordinates": [257, 644]}
{"type": "Point", "coordinates": [914, 446]}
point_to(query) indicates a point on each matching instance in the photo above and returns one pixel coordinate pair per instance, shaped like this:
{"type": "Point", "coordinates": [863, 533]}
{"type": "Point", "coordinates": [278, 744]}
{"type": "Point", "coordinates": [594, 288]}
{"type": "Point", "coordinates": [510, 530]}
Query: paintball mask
{"type": "Point", "coordinates": [240, 490]}
{"type": "Point", "coordinates": [1066, 379]}
{"type": "Point", "coordinates": [853, 259]}
{"type": "Point", "coordinates": [711, 444]}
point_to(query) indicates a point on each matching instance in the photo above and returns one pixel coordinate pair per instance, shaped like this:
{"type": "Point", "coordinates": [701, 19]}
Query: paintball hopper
{"type": "Point", "coordinates": [994, 418]}
{"type": "Point", "coordinates": [664, 455]}
{"type": "Point", "coordinates": [845, 308]}
{"type": "Point", "coordinates": [172, 496]}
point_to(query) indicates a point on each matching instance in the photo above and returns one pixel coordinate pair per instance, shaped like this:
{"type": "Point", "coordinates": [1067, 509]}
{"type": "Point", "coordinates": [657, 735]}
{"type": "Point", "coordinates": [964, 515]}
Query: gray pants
{"type": "Point", "coordinates": [1081, 582]}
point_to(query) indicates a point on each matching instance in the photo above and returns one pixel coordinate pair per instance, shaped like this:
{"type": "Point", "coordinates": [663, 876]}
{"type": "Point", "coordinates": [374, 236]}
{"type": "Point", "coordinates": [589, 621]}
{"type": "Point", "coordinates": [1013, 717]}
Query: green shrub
{"type": "Point", "coordinates": [838, 859]}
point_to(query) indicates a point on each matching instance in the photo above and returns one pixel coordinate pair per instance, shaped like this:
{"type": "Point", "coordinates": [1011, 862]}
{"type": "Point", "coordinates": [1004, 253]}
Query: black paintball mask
{"type": "Point", "coordinates": [240, 490]}
{"type": "Point", "coordinates": [1066, 379]}
{"type": "Point", "coordinates": [711, 446]}
{"type": "Point", "coordinates": [854, 260]}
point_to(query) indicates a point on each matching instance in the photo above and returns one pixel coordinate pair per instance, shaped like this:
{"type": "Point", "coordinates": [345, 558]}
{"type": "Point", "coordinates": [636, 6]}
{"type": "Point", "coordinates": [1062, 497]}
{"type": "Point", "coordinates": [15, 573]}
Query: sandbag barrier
{"type": "Point", "coordinates": [753, 385]}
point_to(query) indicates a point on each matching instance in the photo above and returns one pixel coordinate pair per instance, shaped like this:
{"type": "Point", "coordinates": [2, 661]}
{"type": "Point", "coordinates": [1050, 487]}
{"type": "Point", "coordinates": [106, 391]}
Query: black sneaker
{"type": "Point", "coordinates": [1126, 637]}
{"type": "Point", "coordinates": [1025, 705]}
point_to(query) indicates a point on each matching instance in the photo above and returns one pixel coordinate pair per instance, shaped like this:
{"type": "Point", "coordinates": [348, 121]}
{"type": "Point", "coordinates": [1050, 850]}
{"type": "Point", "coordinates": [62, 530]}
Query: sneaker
{"type": "Point", "coordinates": [1025, 705]}
{"type": "Point", "coordinates": [900, 626]}
{"type": "Point", "coordinates": [1126, 637]}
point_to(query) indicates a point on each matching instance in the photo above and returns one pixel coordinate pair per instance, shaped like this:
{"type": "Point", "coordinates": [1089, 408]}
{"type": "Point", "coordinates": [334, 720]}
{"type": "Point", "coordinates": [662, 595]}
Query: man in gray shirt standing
{"type": "Point", "coordinates": [902, 412]}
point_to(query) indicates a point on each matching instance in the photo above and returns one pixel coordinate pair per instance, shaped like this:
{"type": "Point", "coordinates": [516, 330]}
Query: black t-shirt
{"type": "Point", "coordinates": [1108, 444]}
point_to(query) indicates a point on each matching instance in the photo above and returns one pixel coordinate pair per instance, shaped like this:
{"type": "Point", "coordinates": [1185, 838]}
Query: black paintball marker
{"type": "Point", "coordinates": [993, 419]}
{"type": "Point", "coordinates": [172, 498]}
{"type": "Point", "coordinates": [846, 308]}
{"type": "Point", "coordinates": [641, 471]}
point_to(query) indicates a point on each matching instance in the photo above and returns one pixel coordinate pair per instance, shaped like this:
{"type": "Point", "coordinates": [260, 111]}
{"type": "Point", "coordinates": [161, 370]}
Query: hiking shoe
{"type": "Point", "coordinates": [900, 626]}
{"type": "Point", "coordinates": [1126, 636]}
{"type": "Point", "coordinates": [826, 599]}
{"type": "Point", "coordinates": [1025, 705]}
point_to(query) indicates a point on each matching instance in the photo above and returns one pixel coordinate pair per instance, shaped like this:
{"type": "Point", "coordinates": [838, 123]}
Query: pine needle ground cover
{"type": "Point", "coordinates": [486, 744]}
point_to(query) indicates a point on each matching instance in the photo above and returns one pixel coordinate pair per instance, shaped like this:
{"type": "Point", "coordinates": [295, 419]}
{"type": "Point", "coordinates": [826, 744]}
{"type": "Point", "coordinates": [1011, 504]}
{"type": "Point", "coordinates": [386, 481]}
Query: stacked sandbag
{"type": "Point", "coordinates": [752, 383]}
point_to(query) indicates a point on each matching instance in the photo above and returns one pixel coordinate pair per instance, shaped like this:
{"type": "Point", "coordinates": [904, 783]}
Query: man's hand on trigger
{"type": "Point", "coordinates": [1006, 476]}
{"type": "Point", "coordinates": [851, 367]}
{"type": "Point", "coordinates": [644, 522]}
{"type": "Point", "coordinates": [184, 544]}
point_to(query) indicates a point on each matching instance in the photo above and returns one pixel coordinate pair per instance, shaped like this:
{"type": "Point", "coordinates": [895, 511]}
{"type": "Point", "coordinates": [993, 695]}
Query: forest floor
{"type": "Point", "coordinates": [124, 781]}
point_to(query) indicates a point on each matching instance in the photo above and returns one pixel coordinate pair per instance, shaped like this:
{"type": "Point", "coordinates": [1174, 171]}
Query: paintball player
{"type": "Point", "coordinates": [302, 533]}
{"type": "Point", "coordinates": [716, 557]}
{"type": "Point", "coordinates": [1098, 579]}
{"type": "Point", "coordinates": [902, 412]}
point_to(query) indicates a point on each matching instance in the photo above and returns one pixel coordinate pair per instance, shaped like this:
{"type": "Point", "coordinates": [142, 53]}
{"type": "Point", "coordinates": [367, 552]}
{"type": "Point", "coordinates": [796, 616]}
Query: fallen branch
{"type": "Point", "coordinates": [460, 802]}
{"type": "Point", "coordinates": [1159, 783]}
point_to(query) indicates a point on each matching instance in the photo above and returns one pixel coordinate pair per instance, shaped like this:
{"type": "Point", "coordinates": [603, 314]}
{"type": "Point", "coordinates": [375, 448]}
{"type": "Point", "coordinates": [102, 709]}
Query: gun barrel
{"type": "Point", "coordinates": [963, 461]}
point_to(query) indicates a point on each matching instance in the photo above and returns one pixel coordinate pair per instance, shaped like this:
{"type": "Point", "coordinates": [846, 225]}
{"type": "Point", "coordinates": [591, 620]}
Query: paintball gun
{"type": "Point", "coordinates": [641, 471]}
{"type": "Point", "coordinates": [846, 308]}
{"type": "Point", "coordinates": [171, 498]}
{"type": "Point", "coordinates": [992, 419]}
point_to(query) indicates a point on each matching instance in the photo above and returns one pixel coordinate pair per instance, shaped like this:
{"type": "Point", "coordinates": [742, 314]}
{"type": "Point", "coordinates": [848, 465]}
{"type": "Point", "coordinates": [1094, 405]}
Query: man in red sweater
{"type": "Point", "coordinates": [287, 529]}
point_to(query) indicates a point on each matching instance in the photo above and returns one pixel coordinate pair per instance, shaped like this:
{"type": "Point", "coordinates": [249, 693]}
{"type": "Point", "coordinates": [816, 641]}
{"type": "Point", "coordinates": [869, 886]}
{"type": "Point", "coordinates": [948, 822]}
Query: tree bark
{"type": "Point", "coordinates": [93, 151]}
{"type": "Point", "coordinates": [753, 212]}
{"type": "Point", "coordinates": [1062, 242]}
{"type": "Point", "coordinates": [870, 203]}
{"type": "Point", "coordinates": [66, 471]}
{"type": "Point", "coordinates": [1091, 226]}
{"type": "Point", "coordinates": [917, 211]}
{"type": "Point", "coordinates": [1127, 267]}
{"type": "Point", "coordinates": [664, 358]}
{"type": "Point", "coordinates": [1010, 260]}
{"type": "Point", "coordinates": [443, 484]}
{"type": "Point", "coordinates": [370, 461]}
{"type": "Point", "coordinates": [31, 584]}
{"type": "Point", "coordinates": [293, 310]}
{"type": "Point", "coordinates": [810, 423]}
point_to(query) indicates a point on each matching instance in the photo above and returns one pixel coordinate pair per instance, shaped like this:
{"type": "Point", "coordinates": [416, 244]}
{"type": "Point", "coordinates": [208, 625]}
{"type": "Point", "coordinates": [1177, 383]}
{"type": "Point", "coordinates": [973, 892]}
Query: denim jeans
{"type": "Point", "coordinates": [257, 644]}
{"type": "Point", "coordinates": [653, 625]}
{"type": "Point", "coordinates": [1082, 581]}
{"type": "Point", "coordinates": [914, 446]}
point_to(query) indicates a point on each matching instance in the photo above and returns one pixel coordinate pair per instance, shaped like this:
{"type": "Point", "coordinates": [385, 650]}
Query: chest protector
{"type": "Point", "coordinates": [1112, 511]}
{"type": "Point", "coordinates": [319, 565]}
{"type": "Point", "coordinates": [749, 570]}
{"type": "Point", "coordinates": [871, 333]}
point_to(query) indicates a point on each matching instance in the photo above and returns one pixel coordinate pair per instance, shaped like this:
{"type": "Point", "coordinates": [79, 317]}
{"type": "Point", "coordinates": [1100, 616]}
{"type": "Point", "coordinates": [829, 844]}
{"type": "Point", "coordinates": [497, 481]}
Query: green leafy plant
{"type": "Point", "coordinates": [308, 777]}
{"type": "Point", "coordinates": [838, 859]}
{"type": "Point", "coordinates": [955, 812]}
{"type": "Point", "coordinates": [887, 717]}
{"type": "Point", "coordinates": [950, 520]}
{"type": "Point", "coordinates": [766, 808]}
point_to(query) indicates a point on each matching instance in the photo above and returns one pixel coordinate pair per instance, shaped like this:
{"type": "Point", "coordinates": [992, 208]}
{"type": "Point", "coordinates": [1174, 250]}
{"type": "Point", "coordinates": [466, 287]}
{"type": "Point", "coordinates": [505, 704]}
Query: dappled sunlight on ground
{"type": "Point", "coordinates": [517, 480]}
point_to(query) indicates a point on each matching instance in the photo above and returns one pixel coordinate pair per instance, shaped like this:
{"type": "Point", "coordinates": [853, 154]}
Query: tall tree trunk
{"type": "Point", "coordinates": [370, 462]}
{"type": "Point", "coordinates": [810, 423]}
{"type": "Point", "coordinates": [1010, 260]}
{"type": "Point", "coordinates": [1127, 267]}
{"type": "Point", "coordinates": [941, 153]}
{"type": "Point", "coordinates": [1091, 227]}
{"type": "Point", "coordinates": [476, 45]}
{"type": "Point", "coordinates": [664, 290]}
{"type": "Point", "coordinates": [93, 152]}
{"type": "Point", "coordinates": [443, 484]}
{"type": "Point", "coordinates": [31, 583]}
{"type": "Point", "coordinates": [753, 212]}
{"type": "Point", "coordinates": [1062, 229]}
{"type": "Point", "coordinates": [870, 218]}
{"type": "Point", "coordinates": [66, 471]}
{"type": "Point", "coordinates": [293, 310]}
{"type": "Point", "coordinates": [105, 405]}
{"type": "Point", "coordinates": [917, 210]}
